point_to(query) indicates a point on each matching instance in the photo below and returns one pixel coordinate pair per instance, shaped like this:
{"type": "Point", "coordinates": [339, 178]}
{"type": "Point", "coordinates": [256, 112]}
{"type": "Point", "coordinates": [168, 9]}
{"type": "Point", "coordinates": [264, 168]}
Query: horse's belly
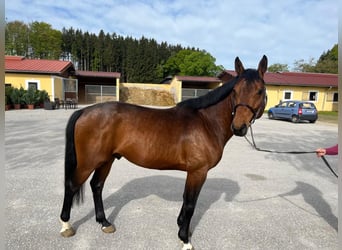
{"type": "Point", "coordinates": [156, 163]}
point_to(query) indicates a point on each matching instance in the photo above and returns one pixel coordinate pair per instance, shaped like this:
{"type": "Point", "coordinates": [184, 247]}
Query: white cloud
{"type": "Point", "coordinates": [283, 30]}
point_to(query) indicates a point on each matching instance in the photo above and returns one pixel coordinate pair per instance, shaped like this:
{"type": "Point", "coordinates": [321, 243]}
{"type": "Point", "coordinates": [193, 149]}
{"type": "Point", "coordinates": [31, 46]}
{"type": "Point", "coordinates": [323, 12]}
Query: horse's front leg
{"type": "Point", "coordinates": [193, 185]}
{"type": "Point", "coordinates": [97, 183]}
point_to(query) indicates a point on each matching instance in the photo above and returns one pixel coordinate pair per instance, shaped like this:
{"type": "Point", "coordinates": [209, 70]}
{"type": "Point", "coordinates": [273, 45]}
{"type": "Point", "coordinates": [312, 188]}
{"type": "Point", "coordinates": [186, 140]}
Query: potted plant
{"type": "Point", "coordinates": [8, 102]}
{"type": "Point", "coordinates": [16, 97]}
{"type": "Point", "coordinates": [30, 97]}
{"type": "Point", "coordinates": [43, 96]}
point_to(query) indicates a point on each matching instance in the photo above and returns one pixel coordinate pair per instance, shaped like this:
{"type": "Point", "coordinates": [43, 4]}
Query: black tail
{"type": "Point", "coordinates": [70, 161]}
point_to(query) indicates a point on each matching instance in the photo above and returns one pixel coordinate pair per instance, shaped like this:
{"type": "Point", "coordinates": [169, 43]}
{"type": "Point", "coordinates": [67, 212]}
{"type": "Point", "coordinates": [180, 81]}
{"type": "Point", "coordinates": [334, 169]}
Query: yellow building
{"type": "Point", "coordinates": [50, 75]}
{"type": "Point", "coordinates": [59, 79]}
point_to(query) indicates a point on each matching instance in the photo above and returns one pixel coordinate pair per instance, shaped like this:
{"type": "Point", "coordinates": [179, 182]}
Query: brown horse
{"type": "Point", "coordinates": [190, 137]}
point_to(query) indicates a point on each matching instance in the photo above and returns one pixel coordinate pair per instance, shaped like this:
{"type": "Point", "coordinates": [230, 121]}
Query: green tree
{"type": "Point", "coordinates": [192, 63]}
{"type": "Point", "coordinates": [328, 61]}
{"type": "Point", "coordinates": [303, 66]}
{"type": "Point", "coordinates": [278, 67]}
{"type": "Point", "coordinates": [138, 60]}
{"type": "Point", "coordinates": [16, 38]}
{"type": "Point", "coordinates": [45, 41]}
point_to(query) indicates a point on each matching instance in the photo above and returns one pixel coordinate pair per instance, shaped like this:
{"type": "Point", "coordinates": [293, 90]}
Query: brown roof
{"type": "Point", "coordinates": [298, 79]}
{"type": "Point", "coordinates": [21, 64]}
{"type": "Point", "coordinates": [198, 79]}
{"type": "Point", "coordinates": [302, 79]}
{"type": "Point", "coordinates": [98, 74]}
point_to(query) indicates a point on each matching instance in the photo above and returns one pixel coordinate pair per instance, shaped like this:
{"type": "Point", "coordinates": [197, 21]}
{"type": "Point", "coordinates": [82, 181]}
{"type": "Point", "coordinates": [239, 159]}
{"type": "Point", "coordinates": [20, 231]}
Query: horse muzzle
{"type": "Point", "coordinates": [240, 131]}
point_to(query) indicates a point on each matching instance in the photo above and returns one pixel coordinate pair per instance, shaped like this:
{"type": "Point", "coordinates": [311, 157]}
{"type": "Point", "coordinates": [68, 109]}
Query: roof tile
{"type": "Point", "coordinates": [298, 78]}
{"type": "Point", "coordinates": [21, 64]}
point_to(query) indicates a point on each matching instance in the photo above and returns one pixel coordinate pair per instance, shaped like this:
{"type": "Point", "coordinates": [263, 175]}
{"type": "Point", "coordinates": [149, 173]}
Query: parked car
{"type": "Point", "coordinates": [294, 111]}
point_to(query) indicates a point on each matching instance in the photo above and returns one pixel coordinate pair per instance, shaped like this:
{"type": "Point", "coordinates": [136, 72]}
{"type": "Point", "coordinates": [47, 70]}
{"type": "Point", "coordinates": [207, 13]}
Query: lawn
{"type": "Point", "coordinates": [328, 116]}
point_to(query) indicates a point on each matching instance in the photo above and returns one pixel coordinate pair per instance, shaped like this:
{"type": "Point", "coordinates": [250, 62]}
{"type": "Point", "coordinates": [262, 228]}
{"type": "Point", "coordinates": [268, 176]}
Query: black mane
{"type": "Point", "coordinates": [211, 98]}
{"type": "Point", "coordinates": [218, 94]}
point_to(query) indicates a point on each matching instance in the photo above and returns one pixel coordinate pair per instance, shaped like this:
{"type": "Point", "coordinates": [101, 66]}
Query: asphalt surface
{"type": "Point", "coordinates": [251, 199]}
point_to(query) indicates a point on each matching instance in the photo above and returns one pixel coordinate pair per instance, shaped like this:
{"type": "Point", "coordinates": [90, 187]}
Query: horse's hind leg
{"type": "Point", "coordinates": [71, 188]}
{"type": "Point", "coordinates": [97, 183]}
{"type": "Point", "coordinates": [194, 183]}
{"type": "Point", "coordinates": [67, 229]}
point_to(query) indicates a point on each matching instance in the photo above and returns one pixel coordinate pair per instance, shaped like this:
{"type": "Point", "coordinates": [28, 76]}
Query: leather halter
{"type": "Point", "coordinates": [249, 107]}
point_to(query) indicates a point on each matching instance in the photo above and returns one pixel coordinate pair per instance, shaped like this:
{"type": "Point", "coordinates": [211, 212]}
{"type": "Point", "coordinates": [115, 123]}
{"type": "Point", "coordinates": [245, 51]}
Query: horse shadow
{"type": "Point", "coordinates": [167, 188]}
{"type": "Point", "coordinates": [314, 198]}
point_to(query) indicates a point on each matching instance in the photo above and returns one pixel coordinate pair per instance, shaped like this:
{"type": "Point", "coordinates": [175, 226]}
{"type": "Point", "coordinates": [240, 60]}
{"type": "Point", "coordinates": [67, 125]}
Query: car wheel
{"type": "Point", "coordinates": [312, 121]}
{"type": "Point", "coordinates": [294, 118]}
{"type": "Point", "coordinates": [270, 115]}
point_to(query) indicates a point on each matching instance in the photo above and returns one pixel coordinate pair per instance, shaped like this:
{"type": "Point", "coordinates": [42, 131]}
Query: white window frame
{"type": "Point", "coordinates": [32, 80]}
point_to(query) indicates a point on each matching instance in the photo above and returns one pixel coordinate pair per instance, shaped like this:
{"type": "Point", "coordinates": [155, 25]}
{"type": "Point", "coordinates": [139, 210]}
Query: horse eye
{"type": "Point", "coordinates": [260, 91]}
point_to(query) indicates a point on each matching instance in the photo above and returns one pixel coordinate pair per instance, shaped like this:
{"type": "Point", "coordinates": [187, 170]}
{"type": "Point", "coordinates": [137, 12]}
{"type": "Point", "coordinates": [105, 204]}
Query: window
{"type": "Point", "coordinates": [292, 104]}
{"type": "Point", "coordinates": [335, 97]}
{"type": "Point", "coordinates": [313, 95]}
{"type": "Point", "coordinates": [32, 84]}
{"type": "Point", "coordinates": [332, 97]}
{"type": "Point", "coordinates": [283, 105]}
{"type": "Point", "coordinates": [287, 95]}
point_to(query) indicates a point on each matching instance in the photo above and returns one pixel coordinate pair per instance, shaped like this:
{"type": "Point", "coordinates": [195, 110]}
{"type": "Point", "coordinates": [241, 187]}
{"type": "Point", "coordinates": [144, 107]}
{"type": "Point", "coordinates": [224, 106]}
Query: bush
{"type": "Point", "coordinates": [43, 96]}
{"type": "Point", "coordinates": [16, 96]}
{"type": "Point", "coordinates": [8, 92]}
{"type": "Point", "coordinates": [31, 96]}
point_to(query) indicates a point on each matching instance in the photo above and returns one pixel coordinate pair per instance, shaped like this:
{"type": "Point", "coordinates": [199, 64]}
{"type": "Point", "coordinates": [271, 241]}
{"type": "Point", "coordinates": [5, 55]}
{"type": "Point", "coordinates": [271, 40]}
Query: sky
{"type": "Point", "coordinates": [284, 31]}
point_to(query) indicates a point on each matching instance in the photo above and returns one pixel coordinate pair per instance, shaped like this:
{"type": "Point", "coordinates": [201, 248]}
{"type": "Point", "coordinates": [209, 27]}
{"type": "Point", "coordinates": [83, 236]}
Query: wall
{"type": "Point", "coordinates": [275, 94]}
{"type": "Point", "coordinates": [20, 80]}
{"type": "Point", "coordinates": [57, 88]}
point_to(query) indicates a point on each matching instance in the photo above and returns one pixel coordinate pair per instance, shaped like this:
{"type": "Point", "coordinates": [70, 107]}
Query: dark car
{"type": "Point", "coordinates": [294, 111]}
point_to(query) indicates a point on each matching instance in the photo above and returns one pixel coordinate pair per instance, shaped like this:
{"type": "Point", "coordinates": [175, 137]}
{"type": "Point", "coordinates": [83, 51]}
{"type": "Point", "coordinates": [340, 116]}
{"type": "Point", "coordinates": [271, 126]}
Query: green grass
{"type": "Point", "coordinates": [328, 116]}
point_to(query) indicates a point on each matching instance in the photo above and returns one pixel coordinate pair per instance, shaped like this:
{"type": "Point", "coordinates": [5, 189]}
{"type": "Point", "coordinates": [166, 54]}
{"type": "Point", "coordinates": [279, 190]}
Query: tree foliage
{"type": "Point", "coordinates": [278, 67]}
{"type": "Point", "coordinates": [16, 38]}
{"type": "Point", "coordinates": [45, 41]}
{"type": "Point", "coordinates": [192, 63]}
{"type": "Point", "coordinates": [303, 66]}
{"type": "Point", "coordinates": [138, 60]}
{"type": "Point", "coordinates": [328, 61]}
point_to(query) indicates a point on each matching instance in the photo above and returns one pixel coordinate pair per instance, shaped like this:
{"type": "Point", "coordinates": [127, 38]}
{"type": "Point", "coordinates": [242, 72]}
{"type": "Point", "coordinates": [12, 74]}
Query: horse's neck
{"type": "Point", "coordinates": [219, 117]}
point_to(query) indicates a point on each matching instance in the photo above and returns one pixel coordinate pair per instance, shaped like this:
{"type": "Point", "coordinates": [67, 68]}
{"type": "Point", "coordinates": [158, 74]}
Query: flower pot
{"type": "Point", "coordinates": [17, 106]}
{"type": "Point", "coordinates": [30, 106]}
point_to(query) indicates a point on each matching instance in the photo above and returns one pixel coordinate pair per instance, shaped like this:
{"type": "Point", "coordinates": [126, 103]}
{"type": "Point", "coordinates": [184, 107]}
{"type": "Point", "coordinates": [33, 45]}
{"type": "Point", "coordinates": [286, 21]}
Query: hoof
{"type": "Point", "coordinates": [187, 246]}
{"type": "Point", "coordinates": [68, 232]}
{"type": "Point", "coordinates": [109, 229]}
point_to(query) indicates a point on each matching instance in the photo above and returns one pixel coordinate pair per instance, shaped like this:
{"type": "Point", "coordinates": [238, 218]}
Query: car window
{"type": "Point", "coordinates": [292, 104]}
{"type": "Point", "coordinates": [282, 105]}
{"type": "Point", "coordinates": [308, 105]}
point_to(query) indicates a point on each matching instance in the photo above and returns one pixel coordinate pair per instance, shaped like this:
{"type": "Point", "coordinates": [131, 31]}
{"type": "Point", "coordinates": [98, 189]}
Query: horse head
{"type": "Point", "coordinates": [248, 97]}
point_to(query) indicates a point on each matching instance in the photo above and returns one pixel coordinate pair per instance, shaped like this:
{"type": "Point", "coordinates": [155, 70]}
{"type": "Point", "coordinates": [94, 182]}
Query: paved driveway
{"type": "Point", "coordinates": [251, 200]}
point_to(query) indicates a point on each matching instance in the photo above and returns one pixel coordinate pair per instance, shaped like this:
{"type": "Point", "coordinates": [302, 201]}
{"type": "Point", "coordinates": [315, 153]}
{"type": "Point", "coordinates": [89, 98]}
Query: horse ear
{"type": "Point", "coordinates": [238, 66]}
{"type": "Point", "coordinates": [262, 68]}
